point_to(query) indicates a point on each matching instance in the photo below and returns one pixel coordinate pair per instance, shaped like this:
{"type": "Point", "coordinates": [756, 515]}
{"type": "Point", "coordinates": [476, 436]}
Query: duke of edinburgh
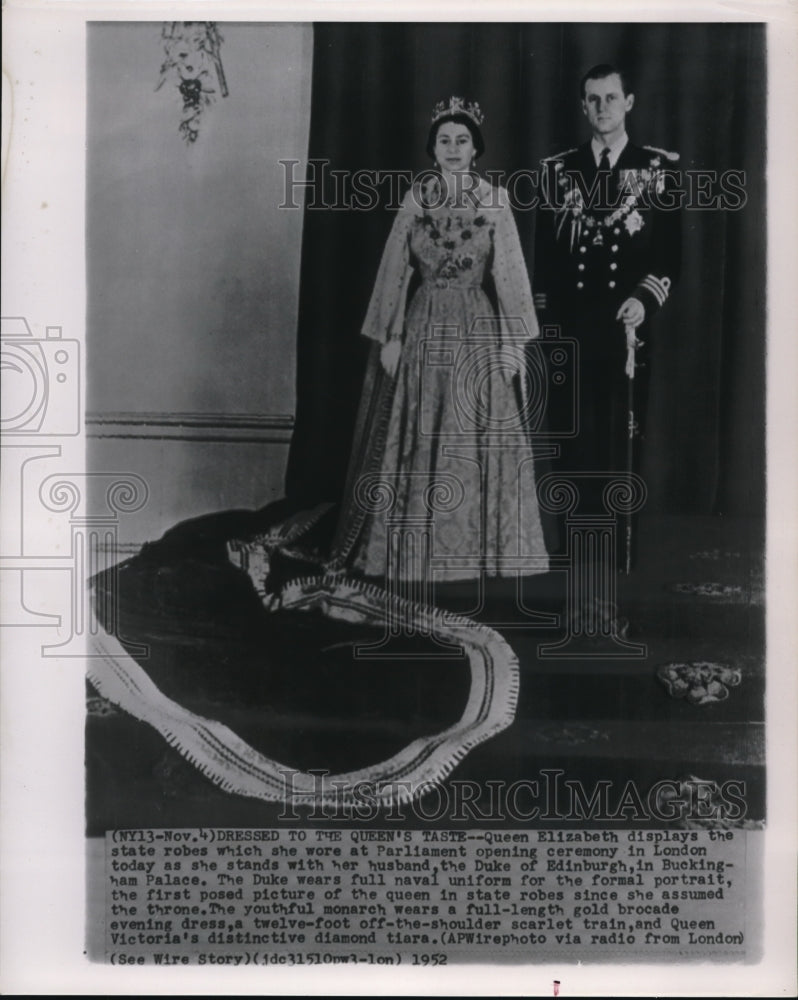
{"type": "Point", "coordinates": [607, 255]}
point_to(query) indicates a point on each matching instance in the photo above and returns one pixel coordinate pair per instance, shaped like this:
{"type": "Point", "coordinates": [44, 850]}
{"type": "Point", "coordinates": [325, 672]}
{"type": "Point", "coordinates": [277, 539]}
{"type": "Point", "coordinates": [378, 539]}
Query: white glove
{"type": "Point", "coordinates": [632, 313]}
{"type": "Point", "coordinates": [389, 357]}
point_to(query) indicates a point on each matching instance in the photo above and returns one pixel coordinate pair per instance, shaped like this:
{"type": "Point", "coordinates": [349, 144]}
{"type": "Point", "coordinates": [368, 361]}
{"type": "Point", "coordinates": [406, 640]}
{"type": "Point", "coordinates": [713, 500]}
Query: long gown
{"type": "Point", "coordinates": [444, 487]}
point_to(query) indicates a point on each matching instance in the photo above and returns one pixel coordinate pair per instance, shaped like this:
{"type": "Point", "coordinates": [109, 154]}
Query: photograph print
{"type": "Point", "coordinates": [426, 371]}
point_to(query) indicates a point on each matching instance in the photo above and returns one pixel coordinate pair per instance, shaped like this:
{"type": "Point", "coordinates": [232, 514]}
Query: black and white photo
{"type": "Point", "coordinates": [396, 483]}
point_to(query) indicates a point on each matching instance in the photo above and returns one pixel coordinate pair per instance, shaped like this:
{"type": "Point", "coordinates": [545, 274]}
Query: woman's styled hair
{"type": "Point", "coordinates": [460, 118]}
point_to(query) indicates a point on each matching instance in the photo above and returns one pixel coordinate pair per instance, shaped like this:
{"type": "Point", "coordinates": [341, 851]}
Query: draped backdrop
{"type": "Point", "coordinates": [700, 90]}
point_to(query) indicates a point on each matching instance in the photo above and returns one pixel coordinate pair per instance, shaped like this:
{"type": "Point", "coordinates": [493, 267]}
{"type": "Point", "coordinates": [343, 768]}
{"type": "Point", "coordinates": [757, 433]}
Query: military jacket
{"type": "Point", "coordinates": [601, 238]}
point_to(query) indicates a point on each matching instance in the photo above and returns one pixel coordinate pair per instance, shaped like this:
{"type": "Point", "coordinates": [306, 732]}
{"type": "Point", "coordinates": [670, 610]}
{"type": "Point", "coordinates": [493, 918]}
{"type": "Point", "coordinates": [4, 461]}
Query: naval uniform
{"type": "Point", "coordinates": [606, 232]}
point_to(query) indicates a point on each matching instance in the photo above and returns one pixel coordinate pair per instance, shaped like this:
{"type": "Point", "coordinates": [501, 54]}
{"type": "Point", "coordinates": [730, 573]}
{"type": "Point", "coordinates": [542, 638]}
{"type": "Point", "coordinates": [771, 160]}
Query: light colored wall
{"type": "Point", "coordinates": [193, 270]}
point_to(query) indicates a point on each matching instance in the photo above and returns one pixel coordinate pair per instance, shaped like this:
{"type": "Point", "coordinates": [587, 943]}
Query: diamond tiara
{"type": "Point", "coordinates": [458, 106]}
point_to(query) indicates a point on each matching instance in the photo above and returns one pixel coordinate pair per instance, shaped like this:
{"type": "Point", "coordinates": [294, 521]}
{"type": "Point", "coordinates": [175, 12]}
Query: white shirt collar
{"type": "Point", "coordinates": [615, 149]}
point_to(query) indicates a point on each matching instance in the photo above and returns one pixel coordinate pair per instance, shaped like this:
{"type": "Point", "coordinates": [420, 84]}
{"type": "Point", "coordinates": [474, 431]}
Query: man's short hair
{"type": "Point", "coordinates": [601, 72]}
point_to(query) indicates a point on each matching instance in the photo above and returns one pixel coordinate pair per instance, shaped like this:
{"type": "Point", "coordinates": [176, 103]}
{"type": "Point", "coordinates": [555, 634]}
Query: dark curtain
{"type": "Point", "coordinates": [700, 90]}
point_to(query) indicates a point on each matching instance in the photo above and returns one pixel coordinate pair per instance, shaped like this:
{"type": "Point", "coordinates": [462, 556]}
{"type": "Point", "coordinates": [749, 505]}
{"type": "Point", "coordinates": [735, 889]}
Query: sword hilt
{"type": "Point", "coordinates": [632, 345]}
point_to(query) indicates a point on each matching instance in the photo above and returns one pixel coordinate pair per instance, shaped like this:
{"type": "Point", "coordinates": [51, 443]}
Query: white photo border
{"type": "Point", "coordinates": [43, 845]}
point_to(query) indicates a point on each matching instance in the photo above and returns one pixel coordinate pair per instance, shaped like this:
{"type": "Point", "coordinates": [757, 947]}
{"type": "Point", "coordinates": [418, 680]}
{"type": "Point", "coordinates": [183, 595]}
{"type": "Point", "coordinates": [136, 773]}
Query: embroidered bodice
{"type": "Point", "coordinates": [452, 246]}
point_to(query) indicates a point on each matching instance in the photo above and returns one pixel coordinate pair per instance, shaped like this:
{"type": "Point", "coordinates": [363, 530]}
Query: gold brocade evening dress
{"type": "Point", "coordinates": [443, 485]}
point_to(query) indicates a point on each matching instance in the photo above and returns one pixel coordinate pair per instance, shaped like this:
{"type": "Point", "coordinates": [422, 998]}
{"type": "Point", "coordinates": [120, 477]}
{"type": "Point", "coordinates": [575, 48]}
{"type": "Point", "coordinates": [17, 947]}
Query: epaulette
{"type": "Point", "coordinates": [673, 157]}
{"type": "Point", "coordinates": [559, 156]}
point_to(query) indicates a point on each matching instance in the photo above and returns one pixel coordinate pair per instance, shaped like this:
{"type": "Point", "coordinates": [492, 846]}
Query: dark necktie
{"type": "Point", "coordinates": [602, 195]}
{"type": "Point", "coordinates": [604, 173]}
